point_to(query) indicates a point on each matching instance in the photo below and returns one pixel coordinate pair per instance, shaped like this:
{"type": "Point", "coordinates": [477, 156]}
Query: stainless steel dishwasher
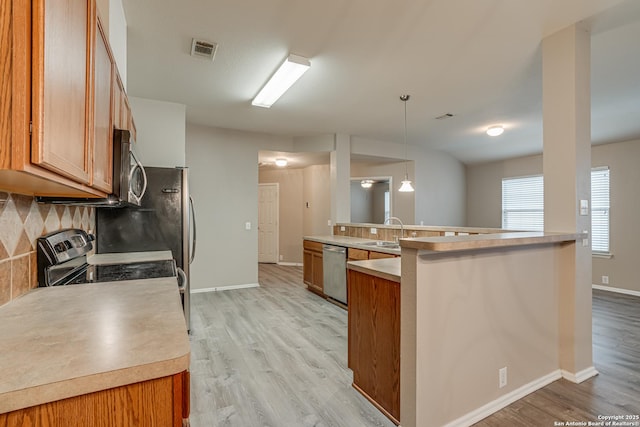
{"type": "Point", "coordinates": [334, 265]}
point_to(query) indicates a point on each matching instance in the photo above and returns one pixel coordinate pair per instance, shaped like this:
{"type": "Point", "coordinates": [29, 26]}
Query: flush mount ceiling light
{"type": "Point", "coordinates": [406, 186]}
{"type": "Point", "coordinates": [289, 72]}
{"type": "Point", "coordinates": [281, 162]}
{"type": "Point", "coordinates": [495, 130]}
{"type": "Point", "coordinates": [366, 183]}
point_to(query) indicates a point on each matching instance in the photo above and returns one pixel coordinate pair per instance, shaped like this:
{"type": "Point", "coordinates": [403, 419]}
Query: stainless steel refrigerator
{"type": "Point", "coordinates": [165, 220]}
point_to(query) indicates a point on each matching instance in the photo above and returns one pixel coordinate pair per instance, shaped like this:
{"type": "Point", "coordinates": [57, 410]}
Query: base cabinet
{"type": "Point", "coordinates": [159, 402]}
{"type": "Point", "coordinates": [312, 266]}
{"type": "Point", "coordinates": [374, 340]}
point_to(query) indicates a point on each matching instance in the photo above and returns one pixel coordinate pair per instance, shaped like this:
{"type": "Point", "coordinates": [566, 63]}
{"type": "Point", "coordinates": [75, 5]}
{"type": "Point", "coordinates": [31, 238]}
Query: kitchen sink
{"type": "Point", "coordinates": [383, 244]}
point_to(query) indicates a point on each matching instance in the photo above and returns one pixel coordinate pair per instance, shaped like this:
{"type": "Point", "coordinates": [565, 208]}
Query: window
{"type": "Point", "coordinates": [600, 210]}
{"type": "Point", "coordinates": [523, 203]}
{"type": "Point", "coordinates": [523, 206]}
{"type": "Point", "coordinates": [387, 205]}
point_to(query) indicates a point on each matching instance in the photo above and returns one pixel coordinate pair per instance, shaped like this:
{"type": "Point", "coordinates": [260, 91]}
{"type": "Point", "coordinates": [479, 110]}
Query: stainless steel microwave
{"type": "Point", "coordinates": [129, 178]}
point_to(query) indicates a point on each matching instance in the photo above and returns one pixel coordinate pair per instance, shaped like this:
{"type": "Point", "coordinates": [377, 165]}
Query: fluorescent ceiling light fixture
{"type": "Point", "coordinates": [289, 72]}
{"type": "Point", "coordinates": [495, 130]}
{"type": "Point", "coordinates": [281, 162]}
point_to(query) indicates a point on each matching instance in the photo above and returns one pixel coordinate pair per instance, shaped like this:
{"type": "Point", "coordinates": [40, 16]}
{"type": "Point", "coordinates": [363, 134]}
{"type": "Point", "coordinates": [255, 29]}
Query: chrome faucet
{"type": "Point", "coordinates": [401, 225]}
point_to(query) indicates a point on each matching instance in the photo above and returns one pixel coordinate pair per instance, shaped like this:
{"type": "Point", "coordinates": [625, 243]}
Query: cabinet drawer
{"type": "Point", "coordinates": [358, 253]}
{"type": "Point", "coordinates": [379, 255]}
{"type": "Point", "coordinates": [312, 246]}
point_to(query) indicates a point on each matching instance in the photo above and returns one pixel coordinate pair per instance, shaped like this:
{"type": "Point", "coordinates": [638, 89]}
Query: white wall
{"type": "Point", "coordinates": [317, 196]}
{"type": "Point", "coordinates": [161, 132]}
{"type": "Point", "coordinates": [439, 181]}
{"type": "Point", "coordinates": [402, 204]}
{"type": "Point", "coordinates": [117, 30]}
{"type": "Point", "coordinates": [114, 25]}
{"type": "Point", "coordinates": [484, 204]}
{"type": "Point", "coordinates": [223, 167]}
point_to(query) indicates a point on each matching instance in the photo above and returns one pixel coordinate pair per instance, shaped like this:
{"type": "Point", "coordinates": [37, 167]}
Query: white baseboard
{"type": "Point", "coordinates": [504, 401]}
{"type": "Point", "coordinates": [618, 290]}
{"type": "Point", "coordinates": [290, 264]}
{"type": "Point", "coordinates": [578, 377]}
{"type": "Point", "coordinates": [225, 288]}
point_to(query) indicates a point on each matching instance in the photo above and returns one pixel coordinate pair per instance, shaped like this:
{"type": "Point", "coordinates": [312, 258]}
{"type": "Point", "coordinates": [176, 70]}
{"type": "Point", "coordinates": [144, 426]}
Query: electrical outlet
{"type": "Point", "coordinates": [281, 257]}
{"type": "Point", "coordinates": [605, 280]}
{"type": "Point", "coordinates": [329, 222]}
{"type": "Point", "coordinates": [502, 377]}
{"type": "Point", "coordinates": [374, 230]}
{"type": "Point", "coordinates": [343, 228]}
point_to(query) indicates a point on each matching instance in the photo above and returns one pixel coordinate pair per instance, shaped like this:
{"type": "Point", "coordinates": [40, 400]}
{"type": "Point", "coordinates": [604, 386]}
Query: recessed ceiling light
{"type": "Point", "coordinates": [281, 162]}
{"type": "Point", "coordinates": [495, 130]}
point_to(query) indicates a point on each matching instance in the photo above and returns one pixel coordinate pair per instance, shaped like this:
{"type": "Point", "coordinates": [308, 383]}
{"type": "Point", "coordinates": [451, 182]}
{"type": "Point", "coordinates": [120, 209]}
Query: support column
{"type": "Point", "coordinates": [567, 180]}
{"type": "Point", "coordinates": [340, 172]}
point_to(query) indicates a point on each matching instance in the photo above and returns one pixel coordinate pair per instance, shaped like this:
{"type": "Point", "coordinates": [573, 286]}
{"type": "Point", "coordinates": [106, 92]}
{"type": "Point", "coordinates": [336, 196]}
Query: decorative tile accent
{"type": "Point", "coordinates": [10, 227]}
{"type": "Point", "coordinates": [5, 281]}
{"type": "Point", "coordinates": [34, 224]}
{"type": "Point", "coordinates": [22, 221]}
{"type": "Point", "coordinates": [20, 276]}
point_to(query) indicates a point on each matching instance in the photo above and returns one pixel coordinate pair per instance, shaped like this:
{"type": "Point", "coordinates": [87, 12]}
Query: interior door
{"type": "Point", "coordinates": [268, 223]}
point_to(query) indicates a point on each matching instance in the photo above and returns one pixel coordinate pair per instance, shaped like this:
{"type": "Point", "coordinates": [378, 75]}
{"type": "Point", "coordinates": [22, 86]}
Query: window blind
{"type": "Point", "coordinates": [523, 203]}
{"type": "Point", "coordinates": [600, 210]}
{"type": "Point", "coordinates": [523, 206]}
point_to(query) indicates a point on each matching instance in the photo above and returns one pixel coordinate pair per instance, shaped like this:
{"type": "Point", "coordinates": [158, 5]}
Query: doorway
{"type": "Point", "coordinates": [268, 212]}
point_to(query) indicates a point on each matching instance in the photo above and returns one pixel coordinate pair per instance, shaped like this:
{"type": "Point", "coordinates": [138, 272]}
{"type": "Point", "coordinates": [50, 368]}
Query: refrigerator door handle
{"type": "Point", "coordinates": [192, 212]}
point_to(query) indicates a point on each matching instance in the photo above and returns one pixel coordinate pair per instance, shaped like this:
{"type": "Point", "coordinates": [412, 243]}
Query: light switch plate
{"type": "Point", "coordinates": [247, 225]}
{"type": "Point", "coordinates": [584, 207]}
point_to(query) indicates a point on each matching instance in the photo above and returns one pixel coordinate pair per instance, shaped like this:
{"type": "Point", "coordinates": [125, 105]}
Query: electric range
{"type": "Point", "coordinates": [62, 260]}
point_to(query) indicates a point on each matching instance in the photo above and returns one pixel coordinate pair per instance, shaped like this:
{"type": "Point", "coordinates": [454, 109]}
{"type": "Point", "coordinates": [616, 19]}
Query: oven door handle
{"type": "Point", "coordinates": [182, 280]}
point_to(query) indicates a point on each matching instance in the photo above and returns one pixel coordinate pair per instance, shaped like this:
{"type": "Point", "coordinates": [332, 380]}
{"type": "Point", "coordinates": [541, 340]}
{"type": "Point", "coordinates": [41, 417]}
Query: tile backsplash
{"type": "Point", "coordinates": [22, 221]}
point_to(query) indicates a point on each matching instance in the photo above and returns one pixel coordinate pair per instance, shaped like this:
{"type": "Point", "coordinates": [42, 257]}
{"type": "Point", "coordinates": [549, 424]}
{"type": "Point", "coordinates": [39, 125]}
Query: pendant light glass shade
{"type": "Point", "coordinates": [406, 186]}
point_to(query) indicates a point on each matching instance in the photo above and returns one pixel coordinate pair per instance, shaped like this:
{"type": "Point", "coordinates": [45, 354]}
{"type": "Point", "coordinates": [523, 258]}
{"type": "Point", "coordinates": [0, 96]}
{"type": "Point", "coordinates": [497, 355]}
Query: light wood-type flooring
{"type": "Point", "coordinates": [276, 356]}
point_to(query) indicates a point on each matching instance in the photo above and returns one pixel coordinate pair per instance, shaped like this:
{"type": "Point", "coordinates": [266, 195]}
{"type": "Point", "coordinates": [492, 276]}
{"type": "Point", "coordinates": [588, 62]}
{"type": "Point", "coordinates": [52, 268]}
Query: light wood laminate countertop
{"type": "Point", "coordinates": [65, 341]}
{"type": "Point", "coordinates": [128, 257]}
{"type": "Point", "coordinates": [353, 242]}
{"type": "Point", "coordinates": [385, 268]}
{"type": "Point", "coordinates": [482, 241]}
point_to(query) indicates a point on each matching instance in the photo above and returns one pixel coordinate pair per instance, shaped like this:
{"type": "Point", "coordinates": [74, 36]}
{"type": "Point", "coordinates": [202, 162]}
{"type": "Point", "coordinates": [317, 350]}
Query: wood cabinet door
{"type": "Point", "coordinates": [152, 403]}
{"type": "Point", "coordinates": [307, 267]}
{"type": "Point", "coordinates": [374, 339]}
{"type": "Point", "coordinates": [59, 74]}
{"type": "Point", "coordinates": [318, 277]}
{"type": "Point", "coordinates": [102, 169]}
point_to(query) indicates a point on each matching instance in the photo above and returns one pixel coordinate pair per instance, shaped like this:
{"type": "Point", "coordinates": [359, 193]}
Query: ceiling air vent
{"type": "Point", "coordinates": [203, 49]}
{"type": "Point", "coordinates": [444, 116]}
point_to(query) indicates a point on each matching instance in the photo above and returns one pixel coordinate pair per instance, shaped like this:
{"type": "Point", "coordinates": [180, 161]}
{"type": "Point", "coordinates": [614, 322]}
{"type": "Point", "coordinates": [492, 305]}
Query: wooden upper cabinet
{"type": "Point", "coordinates": [58, 105]}
{"type": "Point", "coordinates": [60, 63]}
{"type": "Point", "coordinates": [102, 135]}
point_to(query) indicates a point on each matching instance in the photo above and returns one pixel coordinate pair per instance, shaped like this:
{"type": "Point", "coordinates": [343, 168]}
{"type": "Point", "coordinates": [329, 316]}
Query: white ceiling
{"type": "Point", "coordinates": [477, 59]}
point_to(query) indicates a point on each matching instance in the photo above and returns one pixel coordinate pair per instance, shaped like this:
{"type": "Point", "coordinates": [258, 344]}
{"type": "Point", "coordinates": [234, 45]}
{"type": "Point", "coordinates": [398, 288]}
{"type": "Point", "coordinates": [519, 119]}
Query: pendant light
{"type": "Point", "coordinates": [406, 186]}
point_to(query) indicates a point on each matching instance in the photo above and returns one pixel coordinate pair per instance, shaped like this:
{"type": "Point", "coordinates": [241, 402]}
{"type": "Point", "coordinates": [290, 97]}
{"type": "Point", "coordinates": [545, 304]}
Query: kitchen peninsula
{"type": "Point", "coordinates": [90, 354]}
{"type": "Point", "coordinates": [467, 307]}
